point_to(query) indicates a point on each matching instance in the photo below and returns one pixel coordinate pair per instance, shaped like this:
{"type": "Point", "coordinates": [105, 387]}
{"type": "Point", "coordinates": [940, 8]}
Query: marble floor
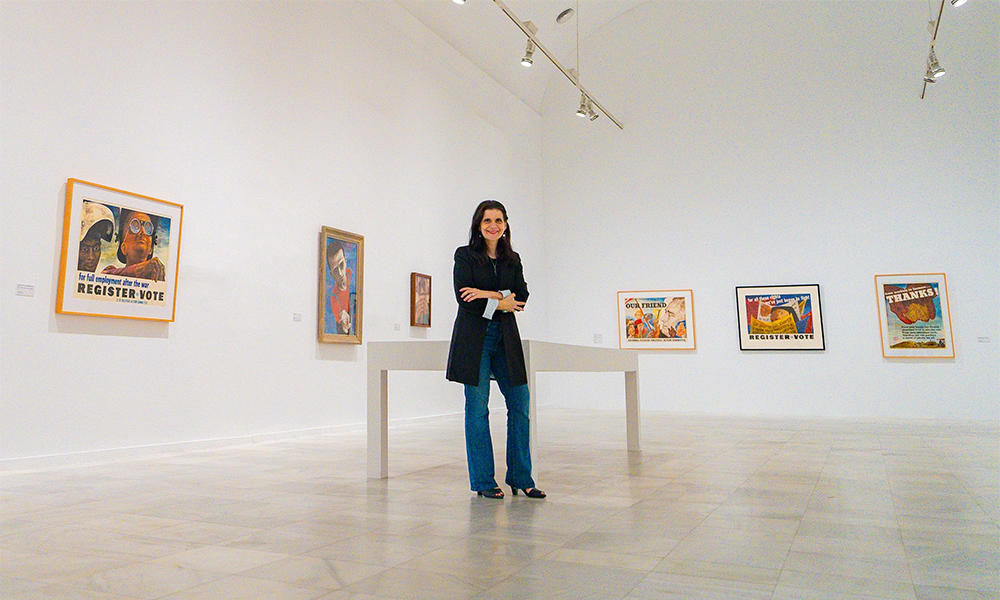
{"type": "Point", "coordinates": [713, 508]}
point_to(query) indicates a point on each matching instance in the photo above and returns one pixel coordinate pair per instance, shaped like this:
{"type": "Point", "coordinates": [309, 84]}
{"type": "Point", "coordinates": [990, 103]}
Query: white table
{"type": "Point", "coordinates": [539, 356]}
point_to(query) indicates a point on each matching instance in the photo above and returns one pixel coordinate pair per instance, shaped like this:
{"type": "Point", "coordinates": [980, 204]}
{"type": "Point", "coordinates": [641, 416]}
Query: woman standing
{"type": "Point", "coordinates": [489, 285]}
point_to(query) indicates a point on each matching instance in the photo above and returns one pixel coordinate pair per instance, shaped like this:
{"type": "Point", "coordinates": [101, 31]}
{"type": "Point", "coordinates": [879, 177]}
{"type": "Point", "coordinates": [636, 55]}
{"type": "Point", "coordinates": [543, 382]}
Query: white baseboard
{"type": "Point", "coordinates": [112, 454]}
{"type": "Point", "coordinates": [76, 459]}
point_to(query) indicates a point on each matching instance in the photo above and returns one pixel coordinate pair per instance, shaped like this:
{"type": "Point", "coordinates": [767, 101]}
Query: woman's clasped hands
{"type": "Point", "coordinates": [507, 303]}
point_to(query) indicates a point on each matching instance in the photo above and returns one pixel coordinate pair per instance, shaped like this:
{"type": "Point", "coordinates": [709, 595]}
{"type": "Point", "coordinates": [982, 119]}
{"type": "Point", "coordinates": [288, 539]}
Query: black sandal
{"type": "Point", "coordinates": [532, 493]}
{"type": "Point", "coordinates": [495, 493]}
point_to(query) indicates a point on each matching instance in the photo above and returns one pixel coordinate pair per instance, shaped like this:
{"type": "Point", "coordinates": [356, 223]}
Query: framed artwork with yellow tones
{"type": "Point", "coordinates": [341, 285]}
{"type": "Point", "coordinates": [780, 317]}
{"type": "Point", "coordinates": [914, 317]}
{"type": "Point", "coordinates": [420, 300]}
{"type": "Point", "coordinates": [120, 254]}
{"type": "Point", "coordinates": [656, 320]}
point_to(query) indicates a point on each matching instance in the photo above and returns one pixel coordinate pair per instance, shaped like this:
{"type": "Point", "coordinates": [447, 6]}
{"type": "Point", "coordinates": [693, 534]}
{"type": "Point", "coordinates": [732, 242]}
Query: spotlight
{"type": "Point", "coordinates": [591, 112]}
{"type": "Point", "coordinates": [957, 2]}
{"type": "Point", "coordinates": [534, 43]}
{"type": "Point", "coordinates": [529, 49]}
{"type": "Point", "coordinates": [929, 77]}
{"type": "Point", "coordinates": [933, 67]}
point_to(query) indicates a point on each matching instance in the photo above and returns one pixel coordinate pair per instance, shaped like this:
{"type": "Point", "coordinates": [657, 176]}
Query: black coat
{"type": "Point", "coordinates": [470, 326]}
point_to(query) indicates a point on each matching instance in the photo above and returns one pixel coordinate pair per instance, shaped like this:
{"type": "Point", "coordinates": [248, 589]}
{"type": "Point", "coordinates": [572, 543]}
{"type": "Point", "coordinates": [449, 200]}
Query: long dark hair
{"type": "Point", "coordinates": [478, 243]}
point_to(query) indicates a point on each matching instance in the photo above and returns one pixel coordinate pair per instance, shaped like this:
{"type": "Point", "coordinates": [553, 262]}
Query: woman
{"type": "Point", "coordinates": [489, 285]}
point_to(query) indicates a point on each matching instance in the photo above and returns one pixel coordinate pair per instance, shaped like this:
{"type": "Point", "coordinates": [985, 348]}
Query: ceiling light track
{"type": "Point", "coordinates": [934, 69]}
{"type": "Point", "coordinates": [528, 29]}
{"type": "Point", "coordinates": [574, 78]}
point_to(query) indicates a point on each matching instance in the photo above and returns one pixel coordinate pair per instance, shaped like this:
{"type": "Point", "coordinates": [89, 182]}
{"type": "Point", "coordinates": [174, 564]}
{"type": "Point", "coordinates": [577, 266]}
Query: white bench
{"type": "Point", "coordinates": [539, 357]}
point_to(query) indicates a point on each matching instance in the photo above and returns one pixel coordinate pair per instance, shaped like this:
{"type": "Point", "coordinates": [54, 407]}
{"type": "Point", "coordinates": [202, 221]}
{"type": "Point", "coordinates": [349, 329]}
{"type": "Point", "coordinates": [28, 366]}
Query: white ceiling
{"type": "Point", "coordinates": [482, 33]}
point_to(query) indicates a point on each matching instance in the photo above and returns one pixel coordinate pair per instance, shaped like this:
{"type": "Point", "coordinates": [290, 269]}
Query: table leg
{"type": "Point", "coordinates": [632, 410]}
{"type": "Point", "coordinates": [378, 423]}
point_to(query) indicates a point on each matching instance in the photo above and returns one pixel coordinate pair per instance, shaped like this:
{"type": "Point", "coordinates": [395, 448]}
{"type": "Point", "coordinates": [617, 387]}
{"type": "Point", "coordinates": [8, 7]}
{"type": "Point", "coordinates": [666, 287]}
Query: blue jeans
{"type": "Point", "coordinates": [478, 443]}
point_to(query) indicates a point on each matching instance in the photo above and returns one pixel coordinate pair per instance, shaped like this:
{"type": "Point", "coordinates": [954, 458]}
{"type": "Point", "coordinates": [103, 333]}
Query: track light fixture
{"type": "Point", "coordinates": [587, 103]}
{"type": "Point", "coordinates": [934, 69]}
{"type": "Point", "coordinates": [587, 108]}
{"type": "Point", "coordinates": [529, 49]}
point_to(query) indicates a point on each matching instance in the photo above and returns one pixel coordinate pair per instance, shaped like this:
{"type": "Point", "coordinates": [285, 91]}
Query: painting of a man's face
{"type": "Point", "coordinates": [137, 238]}
{"type": "Point", "coordinates": [90, 249]}
{"type": "Point", "coordinates": [673, 314]}
{"type": "Point", "coordinates": [338, 269]}
{"type": "Point", "coordinates": [97, 223]}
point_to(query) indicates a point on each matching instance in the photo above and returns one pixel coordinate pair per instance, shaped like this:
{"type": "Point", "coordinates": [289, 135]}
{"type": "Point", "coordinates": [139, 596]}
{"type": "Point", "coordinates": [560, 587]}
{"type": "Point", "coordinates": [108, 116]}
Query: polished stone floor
{"type": "Point", "coordinates": [714, 508]}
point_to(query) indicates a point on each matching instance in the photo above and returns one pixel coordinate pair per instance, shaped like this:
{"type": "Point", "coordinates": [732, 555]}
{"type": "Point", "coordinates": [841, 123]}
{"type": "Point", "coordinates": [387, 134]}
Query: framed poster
{"type": "Point", "coordinates": [915, 321]}
{"type": "Point", "coordinates": [119, 254]}
{"type": "Point", "coordinates": [341, 269]}
{"type": "Point", "coordinates": [656, 320]}
{"type": "Point", "coordinates": [420, 300]}
{"type": "Point", "coordinates": [780, 317]}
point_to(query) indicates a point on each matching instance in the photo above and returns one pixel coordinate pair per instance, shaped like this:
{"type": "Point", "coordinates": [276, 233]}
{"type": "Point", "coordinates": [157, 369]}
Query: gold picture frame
{"type": "Point", "coordinates": [341, 286]}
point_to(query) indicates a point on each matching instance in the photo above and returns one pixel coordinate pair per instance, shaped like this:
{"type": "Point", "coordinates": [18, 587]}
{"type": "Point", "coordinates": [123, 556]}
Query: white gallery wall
{"type": "Point", "coordinates": [266, 120]}
{"type": "Point", "coordinates": [765, 143]}
{"type": "Point", "coordinates": [775, 143]}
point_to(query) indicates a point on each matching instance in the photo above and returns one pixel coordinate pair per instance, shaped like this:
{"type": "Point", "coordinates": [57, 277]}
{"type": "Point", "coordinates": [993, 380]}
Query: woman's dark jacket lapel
{"type": "Point", "coordinates": [470, 326]}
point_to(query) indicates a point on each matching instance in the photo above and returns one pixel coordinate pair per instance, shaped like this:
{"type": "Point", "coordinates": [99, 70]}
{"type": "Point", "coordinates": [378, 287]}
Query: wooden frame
{"type": "Point", "coordinates": [120, 254]}
{"type": "Point", "coordinates": [780, 317]}
{"type": "Point", "coordinates": [420, 300]}
{"type": "Point", "coordinates": [914, 316]}
{"type": "Point", "coordinates": [341, 286]}
{"type": "Point", "coordinates": [667, 321]}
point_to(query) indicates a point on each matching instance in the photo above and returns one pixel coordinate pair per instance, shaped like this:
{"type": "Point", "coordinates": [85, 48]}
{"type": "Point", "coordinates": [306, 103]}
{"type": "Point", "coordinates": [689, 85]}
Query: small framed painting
{"type": "Point", "coordinates": [914, 317]}
{"type": "Point", "coordinates": [341, 282]}
{"type": "Point", "coordinates": [420, 300]}
{"type": "Point", "coordinates": [120, 254]}
{"type": "Point", "coordinates": [780, 317]}
{"type": "Point", "coordinates": [656, 320]}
